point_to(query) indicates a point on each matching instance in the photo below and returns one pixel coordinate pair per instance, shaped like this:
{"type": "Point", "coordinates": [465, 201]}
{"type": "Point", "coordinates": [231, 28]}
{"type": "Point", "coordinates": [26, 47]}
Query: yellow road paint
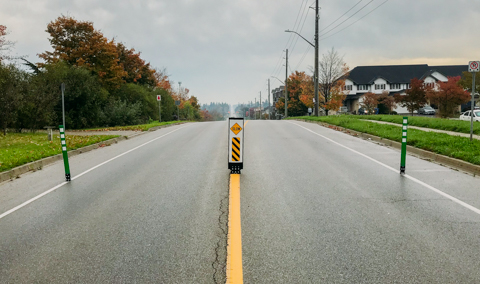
{"type": "Point", "coordinates": [234, 245]}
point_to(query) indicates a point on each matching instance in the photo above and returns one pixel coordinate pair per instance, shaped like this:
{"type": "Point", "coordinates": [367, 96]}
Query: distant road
{"type": "Point", "coordinates": [317, 206]}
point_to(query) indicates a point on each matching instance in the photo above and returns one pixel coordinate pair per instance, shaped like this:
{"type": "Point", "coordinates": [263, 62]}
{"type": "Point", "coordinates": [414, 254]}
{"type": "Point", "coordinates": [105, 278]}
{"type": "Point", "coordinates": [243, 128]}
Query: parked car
{"type": "Point", "coordinates": [426, 110]}
{"type": "Point", "coordinates": [467, 115]}
{"type": "Point", "coordinates": [362, 111]}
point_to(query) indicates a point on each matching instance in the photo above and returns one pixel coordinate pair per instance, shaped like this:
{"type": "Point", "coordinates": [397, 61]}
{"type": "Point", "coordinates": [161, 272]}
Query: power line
{"type": "Point", "coordinates": [300, 31]}
{"type": "Point", "coordinates": [341, 16]}
{"type": "Point", "coordinates": [278, 65]}
{"type": "Point", "coordinates": [347, 18]}
{"type": "Point", "coordinates": [356, 20]}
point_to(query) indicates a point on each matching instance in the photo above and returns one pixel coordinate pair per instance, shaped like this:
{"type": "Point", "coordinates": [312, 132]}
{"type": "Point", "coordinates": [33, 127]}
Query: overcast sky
{"type": "Point", "coordinates": [225, 50]}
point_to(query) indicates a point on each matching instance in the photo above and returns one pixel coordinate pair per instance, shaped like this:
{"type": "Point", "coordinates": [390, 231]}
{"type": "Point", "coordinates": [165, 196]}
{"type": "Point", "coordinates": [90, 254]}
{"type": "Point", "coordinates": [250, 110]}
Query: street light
{"type": "Point", "coordinates": [316, 55]}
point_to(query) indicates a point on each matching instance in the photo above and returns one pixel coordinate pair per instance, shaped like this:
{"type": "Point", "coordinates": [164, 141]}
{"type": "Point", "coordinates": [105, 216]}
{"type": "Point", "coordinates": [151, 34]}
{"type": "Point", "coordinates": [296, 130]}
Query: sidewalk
{"type": "Point", "coordinates": [429, 129]}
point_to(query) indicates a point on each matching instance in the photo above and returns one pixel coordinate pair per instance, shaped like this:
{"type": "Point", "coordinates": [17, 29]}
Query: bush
{"type": "Point", "coordinates": [120, 113]}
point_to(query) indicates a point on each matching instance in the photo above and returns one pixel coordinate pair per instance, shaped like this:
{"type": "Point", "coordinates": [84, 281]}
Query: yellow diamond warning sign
{"type": "Point", "coordinates": [236, 128]}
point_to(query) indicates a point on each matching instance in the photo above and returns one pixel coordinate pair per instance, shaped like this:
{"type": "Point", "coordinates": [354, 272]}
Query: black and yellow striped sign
{"type": "Point", "coordinates": [235, 149]}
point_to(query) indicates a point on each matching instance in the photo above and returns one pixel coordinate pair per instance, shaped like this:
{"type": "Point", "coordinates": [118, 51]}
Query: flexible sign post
{"type": "Point", "coordinates": [404, 145]}
{"type": "Point", "coordinates": [65, 154]}
{"type": "Point", "coordinates": [235, 144]}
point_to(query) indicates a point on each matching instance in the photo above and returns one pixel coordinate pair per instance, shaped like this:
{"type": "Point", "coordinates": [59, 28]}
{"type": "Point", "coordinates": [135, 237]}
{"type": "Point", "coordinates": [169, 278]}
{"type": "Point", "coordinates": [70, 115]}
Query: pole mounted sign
{"type": "Point", "coordinates": [235, 144]}
{"type": "Point", "coordinates": [473, 66]}
{"type": "Point", "coordinates": [159, 98]}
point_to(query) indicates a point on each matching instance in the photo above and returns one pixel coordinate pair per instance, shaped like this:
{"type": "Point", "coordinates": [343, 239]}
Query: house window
{"type": "Point", "coordinates": [407, 86]}
{"type": "Point", "coordinates": [395, 86]}
{"type": "Point", "coordinates": [379, 86]}
{"type": "Point", "coordinates": [430, 85]}
{"type": "Point", "coordinates": [362, 87]}
{"type": "Point", "coordinates": [348, 87]}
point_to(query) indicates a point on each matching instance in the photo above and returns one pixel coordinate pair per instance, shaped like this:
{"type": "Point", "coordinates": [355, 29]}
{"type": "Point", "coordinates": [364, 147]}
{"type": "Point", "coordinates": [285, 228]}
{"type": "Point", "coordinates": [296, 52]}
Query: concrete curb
{"type": "Point", "coordinates": [453, 163]}
{"type": "Point", "coordinates": [38, 165]}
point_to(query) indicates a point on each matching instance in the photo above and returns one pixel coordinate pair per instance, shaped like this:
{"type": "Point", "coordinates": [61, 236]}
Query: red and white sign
{"type": "Point", "coordinates": [159, 98]}
{"type": "Point", "coordinates": [473, 66]}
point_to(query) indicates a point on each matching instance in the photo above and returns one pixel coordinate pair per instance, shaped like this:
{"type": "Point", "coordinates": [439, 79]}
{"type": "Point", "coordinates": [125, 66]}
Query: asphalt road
{"type": "Point", "coordinates": [314, 211]}
{"type": "Point", "coordinates": [154, 215]}
{"type": "Point", "coordinates": [317, 206]}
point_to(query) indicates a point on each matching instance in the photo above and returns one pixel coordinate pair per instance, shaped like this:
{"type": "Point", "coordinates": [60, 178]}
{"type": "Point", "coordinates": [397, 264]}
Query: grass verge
{"type": "Point", "coordinates": [440, 143]}
{"type": "Point", "coordinates": [17, 149]}
{"type": "Point", "coordinates": [140, 127]}
{"type": "Point", "coordinates": [428, 122]}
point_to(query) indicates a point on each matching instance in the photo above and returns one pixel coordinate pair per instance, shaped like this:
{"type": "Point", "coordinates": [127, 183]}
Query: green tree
{"type": "Point", "coordinates": [13, 83]}
{"type": "Point", "coordinates": [84, 98]}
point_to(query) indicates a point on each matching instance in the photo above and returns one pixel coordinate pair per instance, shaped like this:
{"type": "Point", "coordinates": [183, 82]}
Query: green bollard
{"type": "Point", "coordinates": [404, 145]}
{"type": "Point", "coordinates": [65, 154]}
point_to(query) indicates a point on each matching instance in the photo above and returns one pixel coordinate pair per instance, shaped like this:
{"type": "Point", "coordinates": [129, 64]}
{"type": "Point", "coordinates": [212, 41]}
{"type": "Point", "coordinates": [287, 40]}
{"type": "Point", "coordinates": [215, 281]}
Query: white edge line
{"type": "Point", "coordinates": [456, 200]}
{"type": "Point", "coordinates": [77, 176]}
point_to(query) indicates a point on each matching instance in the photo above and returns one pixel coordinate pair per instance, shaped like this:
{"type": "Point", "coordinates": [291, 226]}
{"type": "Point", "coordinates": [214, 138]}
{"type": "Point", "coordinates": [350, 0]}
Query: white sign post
{"type": "Point", "coordinates": [473, 67]}
{"type": "Point", "coordinates": [235, 144]}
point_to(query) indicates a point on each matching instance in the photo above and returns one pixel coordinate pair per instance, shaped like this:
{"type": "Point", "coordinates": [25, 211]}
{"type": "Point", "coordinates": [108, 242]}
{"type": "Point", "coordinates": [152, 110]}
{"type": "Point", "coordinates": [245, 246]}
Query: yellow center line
{"type": "Point", "coordinates": [234, 245]}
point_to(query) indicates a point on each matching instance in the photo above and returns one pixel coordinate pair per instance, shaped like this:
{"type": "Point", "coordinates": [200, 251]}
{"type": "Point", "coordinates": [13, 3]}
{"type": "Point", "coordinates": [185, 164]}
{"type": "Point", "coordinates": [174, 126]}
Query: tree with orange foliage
{"type": "Point", "coordinates": [299, 92]}
{"type": "Point", "coordinates": [5, 44]}
{"type": "Point", "coordinates": [448, 96]}
{"type": "Point", "coordinates": [370, 102]}
{"type": "Point", "coordinates": [79, 44]}
{"type": "Point", "coordinates": [337, 96]}
{"type": "Point", "coordinates": [308, 93]}
{"type": "Point", "coordinates": [161, 79]}
{"type": "Point", "coordinates": [387, 101]}
{"type": "Point", "coordinates": [137, 71]}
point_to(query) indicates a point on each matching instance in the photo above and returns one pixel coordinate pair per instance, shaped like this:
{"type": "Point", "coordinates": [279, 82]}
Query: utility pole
{"type": "Point", "coordinates": [269, 105]}
{"type": "Point", "coordinates": [316, 59]}
{"type": "Point", "coordinates": [260, 105]}
{"type": "Point", "coordinates": [286, 78]}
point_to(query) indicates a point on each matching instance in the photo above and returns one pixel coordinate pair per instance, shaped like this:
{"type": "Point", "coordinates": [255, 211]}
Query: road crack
{"type": "Point", "coordinates": [220, 263]}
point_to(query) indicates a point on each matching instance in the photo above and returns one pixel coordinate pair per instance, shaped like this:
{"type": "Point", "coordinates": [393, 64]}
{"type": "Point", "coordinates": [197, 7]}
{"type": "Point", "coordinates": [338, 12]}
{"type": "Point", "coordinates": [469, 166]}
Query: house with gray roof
{"type": "Point", "coordinates": [393, 79]}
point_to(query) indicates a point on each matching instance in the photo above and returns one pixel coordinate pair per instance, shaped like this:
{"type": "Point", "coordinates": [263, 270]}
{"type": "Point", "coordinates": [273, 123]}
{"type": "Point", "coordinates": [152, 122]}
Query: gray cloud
{"type": "Point", "coordinates": [226, 50]}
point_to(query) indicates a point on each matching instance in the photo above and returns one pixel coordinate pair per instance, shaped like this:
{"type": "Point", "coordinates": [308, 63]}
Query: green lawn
{"type": "Point", "coordinates": [428, 122]}
{"type": "Point", "coordinates": [140, 127]}
{"type": "Point", "coordinates": [441, 143]}
{"type": "Point", "coordinates": [20, 148]}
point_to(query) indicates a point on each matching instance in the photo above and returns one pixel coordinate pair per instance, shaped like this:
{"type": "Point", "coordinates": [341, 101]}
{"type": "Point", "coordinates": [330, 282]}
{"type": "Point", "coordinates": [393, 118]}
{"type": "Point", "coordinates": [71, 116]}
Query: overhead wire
{"type": "Point", "coordinates": [341, 16]}
{"type": "Point", "coordinates": [355, 21]}
{"type": "Point", "coordinates": [308, 49]}
{"type": "Point", "coordinates": [303, 24]}
{"type": "Point", "coordinates": [277, 67]}
{"type": "Point", "coordinates": [363, 7]}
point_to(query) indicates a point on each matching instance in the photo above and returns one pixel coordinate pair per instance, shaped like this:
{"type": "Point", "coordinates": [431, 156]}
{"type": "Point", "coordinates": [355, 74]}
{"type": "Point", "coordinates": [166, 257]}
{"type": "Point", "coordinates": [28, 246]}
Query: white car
{"type": "Point", "coordinates": [467, 115]}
